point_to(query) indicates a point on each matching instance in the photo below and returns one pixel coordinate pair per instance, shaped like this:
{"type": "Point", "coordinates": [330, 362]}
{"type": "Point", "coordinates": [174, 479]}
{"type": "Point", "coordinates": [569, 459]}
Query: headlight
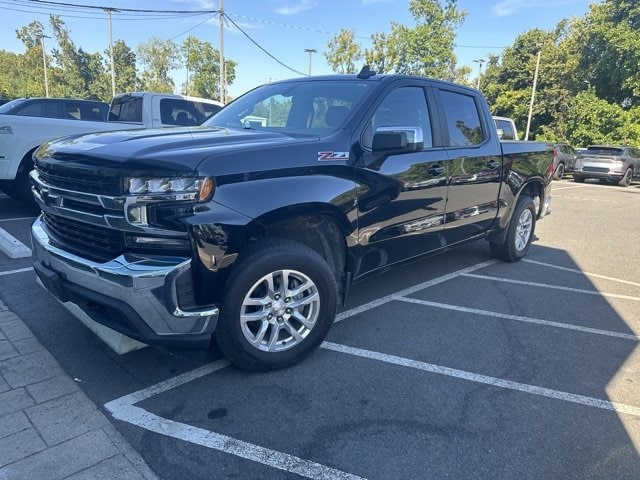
{"type": "Point", "coordinates": [180, 188]}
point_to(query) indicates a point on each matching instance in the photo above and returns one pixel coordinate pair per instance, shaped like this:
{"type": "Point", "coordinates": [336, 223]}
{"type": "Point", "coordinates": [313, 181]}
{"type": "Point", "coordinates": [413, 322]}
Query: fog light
{"type": "Point", "coordinates": [137, 215]}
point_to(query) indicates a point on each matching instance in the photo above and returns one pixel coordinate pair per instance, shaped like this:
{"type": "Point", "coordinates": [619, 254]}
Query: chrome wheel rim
{"type": "Point", "coordinates": [523, 229]}
{"type": "Point", "coordinates": [280, 311]}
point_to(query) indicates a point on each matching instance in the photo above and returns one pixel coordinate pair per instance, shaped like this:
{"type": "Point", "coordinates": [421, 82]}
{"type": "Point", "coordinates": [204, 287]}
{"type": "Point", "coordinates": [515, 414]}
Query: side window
{"type": "Point", "coordinates": [34, 109]}
{"type": "Point", "coordinates": [507, 131]}
{"type": "Point", "coordinates": [463, 119]}
{"type": "Point", "coordinates": [403, 107]}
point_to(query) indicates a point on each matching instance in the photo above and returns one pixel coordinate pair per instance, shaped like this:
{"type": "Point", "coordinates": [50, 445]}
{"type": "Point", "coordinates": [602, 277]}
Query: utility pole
{"type": "Point", "coordinates": [222, 69]}
{"type": "Point", "coordinates": [310, 51]}
{"type": "Point", "coordinates": [533, 92]}
{"type": "Point", "coordinates": [44, 64]}
{"type": "Point", "coordinates": [479, 61]}
{"type": "Point", "coordinates": [113, 68]}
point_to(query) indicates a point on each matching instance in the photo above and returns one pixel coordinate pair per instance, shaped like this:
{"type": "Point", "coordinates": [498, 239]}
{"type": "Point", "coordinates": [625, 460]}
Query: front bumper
{"type": "Point", "coordinates": [137, 295]}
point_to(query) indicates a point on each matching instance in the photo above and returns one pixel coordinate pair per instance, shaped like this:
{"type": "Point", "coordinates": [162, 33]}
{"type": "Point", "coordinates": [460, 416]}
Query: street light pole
{"type": "Point", "coordinates": [533, 92]}
{"type": "Point", "coordinates": [310, 51]}
{"type": "Point", "coordinates": [222, 69]}
{"type": "Point", "coordinates": [113, 68]}
{"type": "Point", "coordinates": [44, 64]}
{"type": "Point", "coordinates": [479, 61]}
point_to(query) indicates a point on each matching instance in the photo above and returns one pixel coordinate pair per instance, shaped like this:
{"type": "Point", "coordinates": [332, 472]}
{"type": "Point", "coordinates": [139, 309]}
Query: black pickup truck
{"type": "Point", "coordinates": [252, 227]}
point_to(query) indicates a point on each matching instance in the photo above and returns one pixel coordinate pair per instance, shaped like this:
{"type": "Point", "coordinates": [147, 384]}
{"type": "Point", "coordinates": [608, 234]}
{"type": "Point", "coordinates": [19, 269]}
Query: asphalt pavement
{"type": "Point", "coordinates": [456, 366]}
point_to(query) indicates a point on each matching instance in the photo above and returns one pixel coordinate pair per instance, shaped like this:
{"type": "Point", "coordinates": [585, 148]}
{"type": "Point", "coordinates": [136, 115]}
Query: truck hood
{"type": "Point", "coordinates": [177, 148]}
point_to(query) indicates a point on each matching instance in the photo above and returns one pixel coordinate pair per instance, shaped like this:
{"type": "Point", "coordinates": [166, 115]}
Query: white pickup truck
{"type": "Point", "coordinates": [21, 135]}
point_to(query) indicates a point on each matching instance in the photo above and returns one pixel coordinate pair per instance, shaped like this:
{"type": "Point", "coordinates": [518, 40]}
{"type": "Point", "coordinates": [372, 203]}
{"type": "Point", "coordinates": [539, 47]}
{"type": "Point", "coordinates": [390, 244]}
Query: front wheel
{"type": "Point", "coordinates": [519, 233]}
{"type": "Point", "coordinates": [280, 302]}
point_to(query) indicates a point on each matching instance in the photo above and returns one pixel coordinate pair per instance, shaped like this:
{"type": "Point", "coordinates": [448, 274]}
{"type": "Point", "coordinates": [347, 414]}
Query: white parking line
{"type": "Point", "coordinates": [18, 218]}
{"type": "Point", "coordinates": [575, 270]}
{"type": "Point", "coordinates": [123, 409]}
{"type": "Point", "coordinates": [485, 379]}
{"type": "Point", "coordinates": [19, 270]}
{"type": "Point", "coordinates": [410, 290]}
{"type": "Point", "coordinates": [553, 287]}
{"type": "Point", "coordinates": [566, 188]}
{"type": "Point", "coordinates": [519, 318]}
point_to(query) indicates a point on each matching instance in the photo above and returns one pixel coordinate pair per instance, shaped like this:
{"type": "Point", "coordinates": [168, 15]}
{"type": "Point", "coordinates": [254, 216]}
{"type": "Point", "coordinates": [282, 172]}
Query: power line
{"type": "Point", "coordinates": [193, 28]}
{"type": "Point", "coordinates": [95, 7]}
{"type": "Point", "coordinates": [261, 48]}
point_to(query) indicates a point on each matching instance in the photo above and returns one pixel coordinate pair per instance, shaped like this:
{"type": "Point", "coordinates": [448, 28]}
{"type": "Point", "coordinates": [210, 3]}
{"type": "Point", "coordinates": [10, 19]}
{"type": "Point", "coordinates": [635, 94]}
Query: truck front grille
{"type": "Point", "coordinates": [89, 241]}
{"type": "Point", "coordinates": [81, 181]}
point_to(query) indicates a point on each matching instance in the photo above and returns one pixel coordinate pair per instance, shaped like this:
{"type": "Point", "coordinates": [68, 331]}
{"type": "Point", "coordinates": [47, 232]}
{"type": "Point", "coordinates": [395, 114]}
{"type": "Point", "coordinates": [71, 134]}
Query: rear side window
{"type": "Point", "coordinates": [463, 119]}
{"type": "Point", "coordinates": [176, 111]}
{"type": "Point", "coordinates": [507, 130]}
{"type": "Point", "coordinates": [39, 109]}
{"type": "Point", "coordinates": [126, 109]}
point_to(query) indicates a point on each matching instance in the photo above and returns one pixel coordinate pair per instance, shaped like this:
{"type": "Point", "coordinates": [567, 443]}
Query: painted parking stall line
{"type": "Point", "coordinates": [519, 318]}
{"type": "Point", "coordinates": [124, 409]}
{"type": "Point", "coordinates": [16, 219]}
{"type": "Point", "coordinates": [580, 272]}
{"type": "Point", "coordinates": [18, 270]}
{"type": "Point", "coordinates": [485, 379]}
{"type": "Point", "coordinates": [553, 287]}
{"type": "Point", "coordinates": [416, 288]}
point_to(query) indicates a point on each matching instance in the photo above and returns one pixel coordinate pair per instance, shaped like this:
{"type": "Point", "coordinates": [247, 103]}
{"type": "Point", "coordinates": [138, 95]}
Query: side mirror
{"type": "Point", "coordinates": [390, 140]}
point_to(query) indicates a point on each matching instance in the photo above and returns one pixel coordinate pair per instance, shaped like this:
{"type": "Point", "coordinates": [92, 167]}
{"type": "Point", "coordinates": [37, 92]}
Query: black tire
{"type": "Point", "coordinates": [578, 179]}
{"type": "Point", "coordinates": [272, 328]}
{"type": "Point", "coordinates": [519, 233]}
{"type": "Point", "coordinates": [559, 173]}
{"type": "Point", "coordinates": [21, 186]}
{"type": "Point", "coordinates": [625, 181]}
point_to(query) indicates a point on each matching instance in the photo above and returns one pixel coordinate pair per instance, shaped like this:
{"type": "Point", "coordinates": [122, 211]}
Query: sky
{"type": "Point", "coordinates": [284, 28]}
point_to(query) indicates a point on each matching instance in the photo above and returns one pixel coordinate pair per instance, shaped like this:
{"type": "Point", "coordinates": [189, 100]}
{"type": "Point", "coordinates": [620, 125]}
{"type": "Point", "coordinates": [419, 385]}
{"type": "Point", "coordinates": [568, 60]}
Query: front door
{"type": "Point", "coordinates": [402, 197]}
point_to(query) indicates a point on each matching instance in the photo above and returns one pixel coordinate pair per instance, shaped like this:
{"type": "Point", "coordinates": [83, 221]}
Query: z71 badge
{"type": "Point", "coordinates": [331, 156]}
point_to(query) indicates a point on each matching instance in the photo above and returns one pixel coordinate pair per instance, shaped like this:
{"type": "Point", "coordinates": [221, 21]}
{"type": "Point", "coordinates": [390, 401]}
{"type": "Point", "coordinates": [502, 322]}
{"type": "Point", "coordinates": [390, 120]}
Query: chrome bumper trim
{"type": "Point", "coordinates": [146, 283]}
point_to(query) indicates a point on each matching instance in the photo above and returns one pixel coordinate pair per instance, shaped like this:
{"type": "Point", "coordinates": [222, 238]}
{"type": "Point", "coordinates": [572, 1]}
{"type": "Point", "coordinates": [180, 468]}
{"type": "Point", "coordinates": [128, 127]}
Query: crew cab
{"type": "Point", "coordinates": [253, 231]}
{"type": "Point", "coordinates": [21, 134]}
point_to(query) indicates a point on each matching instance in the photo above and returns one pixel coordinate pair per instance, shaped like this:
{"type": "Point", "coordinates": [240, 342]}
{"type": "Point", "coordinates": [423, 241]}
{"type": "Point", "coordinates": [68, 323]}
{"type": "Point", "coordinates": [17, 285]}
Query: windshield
{"type": "Point", "coordinates": [7, 107]}
{"type": "Point", "coordinates": [302, 107]}
{"type": "Point", "coordinates": [605, 151]}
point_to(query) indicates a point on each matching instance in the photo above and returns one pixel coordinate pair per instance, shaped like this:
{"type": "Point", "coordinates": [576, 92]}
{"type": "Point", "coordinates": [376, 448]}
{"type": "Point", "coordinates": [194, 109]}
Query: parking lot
{"type": "Point", "coordinates": [456, 366]}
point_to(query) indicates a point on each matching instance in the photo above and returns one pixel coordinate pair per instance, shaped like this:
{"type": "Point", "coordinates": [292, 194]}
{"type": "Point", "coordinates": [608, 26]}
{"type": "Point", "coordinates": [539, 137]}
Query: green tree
{"type": "Point", "coordinates": [158, 58]}
{"type": "Point", "coordinates": [203, 68]}
{"type": "Point", "coordinates": [424, 49]}
{"type": "Point", "coordinates": [344, 52]}
{"type": "Point", "coordinates": [124, 61]}
{"type": "Point", "coordinates": [610, 50]}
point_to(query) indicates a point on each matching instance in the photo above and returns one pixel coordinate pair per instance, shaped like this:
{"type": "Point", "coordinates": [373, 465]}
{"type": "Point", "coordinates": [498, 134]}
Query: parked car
{"type": "Point", "coordinates": [252, 226]}
{"type": "Point", "coordinates": [4, 100]}
{"type": "Point", "coordinates": [506, 128]}
{"type": "Point", "coordinates": [69, 108]}
{"type": "Point", "coordinates": [20, 134]}
{"type": "Point", "coordinates": [564, 159]}
{"type": "Point", "coordinates": [613, 164]}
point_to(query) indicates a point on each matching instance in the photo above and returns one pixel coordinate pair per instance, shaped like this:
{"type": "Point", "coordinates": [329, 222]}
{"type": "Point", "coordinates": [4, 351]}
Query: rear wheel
{"type": "Point", "coordinates": [280, 302]}
{"type": "Point", "coordinates": [626, 180]}
{"type": "Point", "coordinates": [559, 173]}
{"type": "Point", "coordinates": [519, 234]}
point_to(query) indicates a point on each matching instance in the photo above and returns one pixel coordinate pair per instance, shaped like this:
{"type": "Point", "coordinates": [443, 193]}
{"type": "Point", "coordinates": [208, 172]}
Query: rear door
{"type": "Point", "coordinates": [401, 196]}
{"type": "Point", "coordinates": [475, 164]}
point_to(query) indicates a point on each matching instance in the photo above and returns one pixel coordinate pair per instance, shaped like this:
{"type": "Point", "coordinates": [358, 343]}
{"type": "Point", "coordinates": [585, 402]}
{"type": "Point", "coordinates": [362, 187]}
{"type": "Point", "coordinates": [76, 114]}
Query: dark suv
{"type": "Point", "coordinates": [613, 164]}
{"type": "Point", "coordinates": [71, 109]}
